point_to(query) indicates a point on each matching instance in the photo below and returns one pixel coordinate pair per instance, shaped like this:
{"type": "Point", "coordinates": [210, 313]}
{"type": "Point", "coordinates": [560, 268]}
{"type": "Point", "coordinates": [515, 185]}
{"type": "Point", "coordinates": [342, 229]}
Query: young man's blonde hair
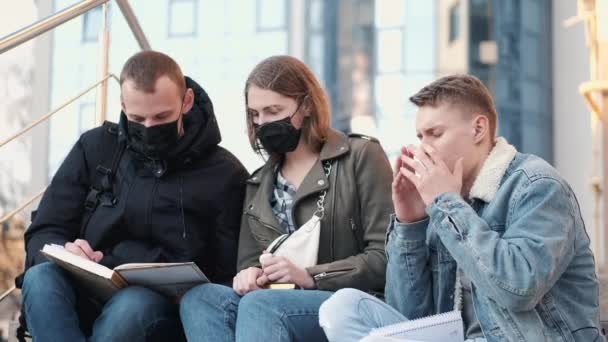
{"type": "Point", "coordinates": [465, 91]}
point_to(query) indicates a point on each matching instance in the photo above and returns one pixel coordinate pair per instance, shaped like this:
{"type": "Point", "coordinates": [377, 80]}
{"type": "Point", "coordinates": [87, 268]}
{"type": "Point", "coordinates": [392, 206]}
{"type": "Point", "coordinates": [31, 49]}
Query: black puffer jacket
{"type": "Point", "coordinates": [186, 208]}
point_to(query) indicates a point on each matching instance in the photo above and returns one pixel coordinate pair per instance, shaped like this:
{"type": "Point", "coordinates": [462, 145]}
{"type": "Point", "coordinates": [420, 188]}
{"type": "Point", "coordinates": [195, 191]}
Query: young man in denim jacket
{"type": "Point", "coordinates": [481, 228]}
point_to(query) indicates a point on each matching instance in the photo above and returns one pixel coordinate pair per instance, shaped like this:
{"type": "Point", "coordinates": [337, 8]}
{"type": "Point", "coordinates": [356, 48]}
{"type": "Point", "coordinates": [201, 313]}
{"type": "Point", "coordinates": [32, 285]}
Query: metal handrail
{"type": "Point", "coordinates": [32, 31]}
{"type": "Point", "coordinates": [21, 207]}
{"type": "Point", "coordinates": [7, 292]}
{"type": "Point", "coordinates": [587, 89]}
{"type": "Point", "coordinates": [34, 124]}
{"type": "Point", "coordinates": [131, 19]}
{"type": "Point", "coordinates": [29, 32]}
{"type": "Point", "coordinates": [48, 115]}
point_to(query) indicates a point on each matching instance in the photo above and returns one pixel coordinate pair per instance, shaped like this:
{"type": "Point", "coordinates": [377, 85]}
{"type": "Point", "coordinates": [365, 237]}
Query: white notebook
{"type": "Point", "coordinates": [438, 328]}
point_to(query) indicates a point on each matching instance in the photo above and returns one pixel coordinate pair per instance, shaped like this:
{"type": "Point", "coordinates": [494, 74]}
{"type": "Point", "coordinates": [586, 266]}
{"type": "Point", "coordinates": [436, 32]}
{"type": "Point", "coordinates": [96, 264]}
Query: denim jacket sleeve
{"type": "Point", "coordinates": [517, 268]}
{"type": "Point", "coordinates": [408, 274]}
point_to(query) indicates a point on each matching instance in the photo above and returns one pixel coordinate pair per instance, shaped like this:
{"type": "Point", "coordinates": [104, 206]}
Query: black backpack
{"type": "Point", "coordinates": [104, 157]}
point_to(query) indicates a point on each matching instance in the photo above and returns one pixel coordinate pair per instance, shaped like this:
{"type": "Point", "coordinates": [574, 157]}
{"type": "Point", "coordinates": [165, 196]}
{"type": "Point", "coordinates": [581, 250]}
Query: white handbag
{"type": "Point", "coordinates": [302, 246]}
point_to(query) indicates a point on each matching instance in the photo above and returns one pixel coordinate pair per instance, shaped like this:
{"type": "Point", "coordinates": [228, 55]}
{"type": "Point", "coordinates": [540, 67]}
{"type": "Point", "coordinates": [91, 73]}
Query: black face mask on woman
{"type": "Point", "coordinates": [279, 136]}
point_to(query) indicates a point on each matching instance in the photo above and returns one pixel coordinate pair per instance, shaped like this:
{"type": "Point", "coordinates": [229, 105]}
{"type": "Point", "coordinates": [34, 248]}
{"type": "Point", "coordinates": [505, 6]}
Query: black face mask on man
{"type": "Point", "coordinates": [279, 136]}
{"type": "Point", "coordinates": [154, 142]}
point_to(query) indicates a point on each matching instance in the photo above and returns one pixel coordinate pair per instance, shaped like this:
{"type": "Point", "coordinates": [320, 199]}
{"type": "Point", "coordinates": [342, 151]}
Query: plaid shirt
{"type": "Point", "coordinates": [282, 203]}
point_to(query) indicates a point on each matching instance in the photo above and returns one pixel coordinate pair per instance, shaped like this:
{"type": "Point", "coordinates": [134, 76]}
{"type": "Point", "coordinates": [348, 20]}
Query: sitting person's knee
{"type": "Point", "coordinates": [140, 301]}
{"type": "Point", "coordinates": [203, 296]}
{"type": "Point", "coordinates": [338, 308]}
{"type": "Point", "coordinates": [43, 275]}
{"type": "Point", "coordinates": [341, 301]}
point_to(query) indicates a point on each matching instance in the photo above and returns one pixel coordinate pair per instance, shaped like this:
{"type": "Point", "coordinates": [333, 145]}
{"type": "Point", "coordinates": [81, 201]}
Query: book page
{"type": "Point", "coordinates": [149, 265]}
{"type": "Point", "coordinates": [57, 252]}
{"type": "Point", "coordinates": [438, 328]}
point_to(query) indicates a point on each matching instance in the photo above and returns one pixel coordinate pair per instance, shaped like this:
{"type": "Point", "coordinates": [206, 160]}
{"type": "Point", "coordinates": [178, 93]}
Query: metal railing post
{"type": "Point", "coordinates": [104, 61]}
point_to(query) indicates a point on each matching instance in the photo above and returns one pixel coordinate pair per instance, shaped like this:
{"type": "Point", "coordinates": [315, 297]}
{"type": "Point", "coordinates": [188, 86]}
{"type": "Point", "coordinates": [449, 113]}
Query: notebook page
{"type": "Point", "coordinates": [443, 327]}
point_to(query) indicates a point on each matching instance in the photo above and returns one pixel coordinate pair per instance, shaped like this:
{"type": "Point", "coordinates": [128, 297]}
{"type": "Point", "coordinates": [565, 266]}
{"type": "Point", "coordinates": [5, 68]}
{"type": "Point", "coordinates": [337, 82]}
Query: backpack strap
{"type": "Point", "coordinates": [103, 163]}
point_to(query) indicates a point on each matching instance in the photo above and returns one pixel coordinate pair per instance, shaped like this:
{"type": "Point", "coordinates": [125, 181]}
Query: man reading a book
{"type": "Point", "coordinates": [155, 188]}
{"type": "Point", "coordinates": [479, 228]}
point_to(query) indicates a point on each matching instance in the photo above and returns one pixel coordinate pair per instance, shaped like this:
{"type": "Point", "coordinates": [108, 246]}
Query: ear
{"type": "Point", "coordinates": [122, 105]}
{"type": "Point", "coordinates": [306, 106]}
{"type": "Point", "coordinates": [481, 128]}
{"type": "Point", "coordinates": [188, 101]}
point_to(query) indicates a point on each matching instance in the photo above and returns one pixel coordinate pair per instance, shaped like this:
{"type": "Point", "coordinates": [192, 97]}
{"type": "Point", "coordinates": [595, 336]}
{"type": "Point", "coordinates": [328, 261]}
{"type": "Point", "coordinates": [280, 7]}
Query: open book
{"type": "Point", "coordinates": [438, 328]}
{"type": "Point", "coordinates": [170, 279]}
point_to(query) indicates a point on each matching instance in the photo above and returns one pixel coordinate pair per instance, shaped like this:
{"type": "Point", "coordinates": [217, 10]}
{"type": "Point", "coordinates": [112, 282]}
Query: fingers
{"type": "Point", "coordinates": [412, 177]}
{"type": "Point", "coordinates": [412, 165]}
{"type": "Point", "coordinates": [278, 274]}
{"type": "Point", "coordinates": [86, 248]}
{"type": "Point", "coordinates": [405, 153]}
{"type": "Point", "coordinates": [432, 153]}
{"type": "Point", "coordinates": [74, 249]}
{"type": "Point", "coordinates": [98, 255]}
{"type": "Point", "coordinates": [398, 165]}
{"type": "Point", "coordinates": [422, 156]}
{"type": "Point", "coordinates": [236, 284]}
{"type": "Point", "coordinates": [279, 269]}
{"type": "Point", "coordinates": [246, 280]}
{"type": "Point", "coordinates": [264, 258]}
{"type": "Point", "coordinates": [262, 280]}
{"type": "Point", "coordinates": [251, 279]}
{"type": "Point", "coordinates": [274, 264]}
{"type": "Point", "coordinates": [397, 181]}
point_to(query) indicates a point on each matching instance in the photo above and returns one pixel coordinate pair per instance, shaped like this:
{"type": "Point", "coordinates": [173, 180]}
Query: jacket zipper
{"type": "Point", "coordinates": [265, 224]}
{"type": "Point", "coordinates": [326, 274]}
{"type": "Point", "coordinates": [333, 210]}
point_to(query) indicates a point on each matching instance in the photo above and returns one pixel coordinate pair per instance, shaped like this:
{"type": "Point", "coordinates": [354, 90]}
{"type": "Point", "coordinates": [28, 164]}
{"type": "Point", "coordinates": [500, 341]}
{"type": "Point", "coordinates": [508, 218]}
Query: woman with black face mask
{"type": "Point", "coordinates": [315, 179]}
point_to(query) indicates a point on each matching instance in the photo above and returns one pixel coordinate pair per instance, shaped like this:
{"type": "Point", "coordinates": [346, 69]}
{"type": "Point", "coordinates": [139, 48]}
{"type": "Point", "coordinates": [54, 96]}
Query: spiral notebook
{"type": "Point", "coordinates": [438, 328]}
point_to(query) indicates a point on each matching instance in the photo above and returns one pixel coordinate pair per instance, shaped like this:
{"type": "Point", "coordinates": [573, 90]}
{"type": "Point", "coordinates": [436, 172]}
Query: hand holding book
{"type": "Point", "coordinates": [82, 248]}
{"type": "Point", "coordinates": [279, 269]}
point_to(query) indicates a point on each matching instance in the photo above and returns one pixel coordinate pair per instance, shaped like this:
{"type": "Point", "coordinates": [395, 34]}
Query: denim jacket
{"type": "Point", "coordinates": [521, 240]}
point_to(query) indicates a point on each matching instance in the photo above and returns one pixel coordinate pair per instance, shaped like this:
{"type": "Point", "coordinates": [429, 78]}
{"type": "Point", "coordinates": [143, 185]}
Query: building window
{"type": "Point", "coordinates": [315, 49]}
{"type": "Point", "coordinates": [454, 22]}
{"type": "Point", "coordinates": [183, 16]}
{"type": "Point", "coordinates": [390, 13]}
{"type": "Point", "coordinates": [271, 15]}
{"type": "Point", "coordinates": [91, 25]}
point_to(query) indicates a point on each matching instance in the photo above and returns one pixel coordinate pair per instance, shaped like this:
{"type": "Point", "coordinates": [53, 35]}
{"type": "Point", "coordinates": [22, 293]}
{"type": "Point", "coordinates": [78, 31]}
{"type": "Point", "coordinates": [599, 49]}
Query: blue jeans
{"type": "Point", "coordinates": [212, 312]}
{"type": "Point", "coordinates": [350, 315]}
{"type": "Point", "coordinates": [55, 310]}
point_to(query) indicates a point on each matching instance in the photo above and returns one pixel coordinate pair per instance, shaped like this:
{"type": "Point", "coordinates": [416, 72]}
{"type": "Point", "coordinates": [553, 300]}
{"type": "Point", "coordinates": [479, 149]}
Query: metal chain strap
{"type": "Point", "coordinates": [320, 212]}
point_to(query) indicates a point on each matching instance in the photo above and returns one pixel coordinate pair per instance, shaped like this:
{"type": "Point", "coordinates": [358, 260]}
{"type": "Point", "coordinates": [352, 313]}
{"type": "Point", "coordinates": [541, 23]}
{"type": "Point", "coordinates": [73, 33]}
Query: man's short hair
{"type": "Point", "coordinates": [146, 67]}
{"type": "Point", "coordinates": [460, 90]}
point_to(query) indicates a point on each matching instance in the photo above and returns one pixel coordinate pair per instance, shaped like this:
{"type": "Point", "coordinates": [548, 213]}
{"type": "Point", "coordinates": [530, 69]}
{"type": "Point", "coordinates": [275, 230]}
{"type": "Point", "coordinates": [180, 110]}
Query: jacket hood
{"type": "Point", "coordinates": [201, 131]}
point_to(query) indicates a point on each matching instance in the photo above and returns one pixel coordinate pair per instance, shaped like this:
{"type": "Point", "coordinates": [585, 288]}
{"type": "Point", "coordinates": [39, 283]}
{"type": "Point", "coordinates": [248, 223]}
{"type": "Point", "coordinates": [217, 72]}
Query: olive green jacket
{"type": "Point", "coordinates": [357, 211]}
